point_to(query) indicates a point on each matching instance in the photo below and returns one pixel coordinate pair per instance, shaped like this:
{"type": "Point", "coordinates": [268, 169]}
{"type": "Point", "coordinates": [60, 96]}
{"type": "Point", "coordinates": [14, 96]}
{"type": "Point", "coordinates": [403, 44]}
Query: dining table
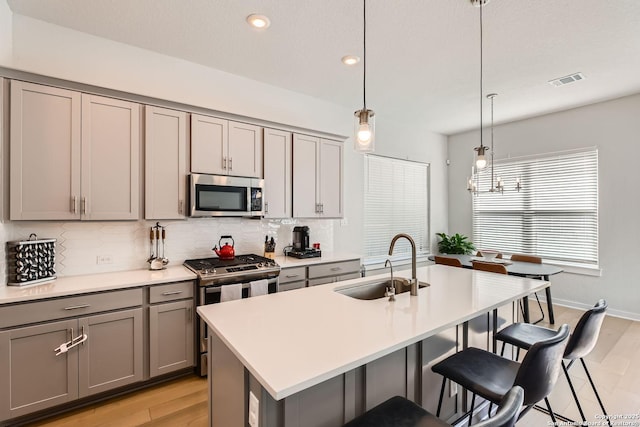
{"type": "Point", "coordinates": [517, 268]}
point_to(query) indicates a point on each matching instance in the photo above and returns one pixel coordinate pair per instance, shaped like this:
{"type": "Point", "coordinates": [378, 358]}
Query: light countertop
{"type": "Point", "coordinates": [293, 340]}
{"type": "Point", "coordinates": [288, 262]}
{"type": "Point", "coordinates": [73, 285]}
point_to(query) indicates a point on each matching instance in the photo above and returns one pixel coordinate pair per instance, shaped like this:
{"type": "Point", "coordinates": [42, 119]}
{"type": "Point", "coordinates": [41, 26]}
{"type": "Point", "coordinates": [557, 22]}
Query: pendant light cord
{"type": "Point", "coordinates": [364, 53]}
{"type": "Point", "coordinates": [481, 91]}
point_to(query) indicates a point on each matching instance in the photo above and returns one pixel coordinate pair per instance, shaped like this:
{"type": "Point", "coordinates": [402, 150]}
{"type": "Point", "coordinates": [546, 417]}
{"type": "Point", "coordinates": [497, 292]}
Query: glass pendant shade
{"type": "Point", "coordinates": [364, 139]}
{"type": "Point", "coordinates": [481, 160]}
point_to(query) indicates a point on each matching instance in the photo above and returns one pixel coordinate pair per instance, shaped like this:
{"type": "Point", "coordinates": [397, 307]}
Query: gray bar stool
{"type": "Point", "coordinates": [582, 341]}
{"type": "Point", "coordinates": [400, 412]}
{"type": "Point", "coordinates": [490, 376]}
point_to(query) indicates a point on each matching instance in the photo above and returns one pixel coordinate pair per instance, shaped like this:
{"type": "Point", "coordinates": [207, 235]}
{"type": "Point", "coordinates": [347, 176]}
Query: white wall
{"type": "Point", "coordinates": [614, 128]}
{"type": "Point", "coordinates": [6, 32]}
{"type": "Point", "coordinates": [54, 51]}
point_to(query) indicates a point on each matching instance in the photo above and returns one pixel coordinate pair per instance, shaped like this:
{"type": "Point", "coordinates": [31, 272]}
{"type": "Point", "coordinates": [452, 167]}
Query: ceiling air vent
{"type": "Point", "coordinates": [566, 79]}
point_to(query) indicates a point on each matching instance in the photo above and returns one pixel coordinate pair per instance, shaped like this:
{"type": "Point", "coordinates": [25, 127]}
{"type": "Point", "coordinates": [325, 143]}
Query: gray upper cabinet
{"type": "Point", "coordinates": [224, 147]}
{"type": "Point", "coordinates": [73, 155]}
{"type": "Point", "coordinates": [277, 174]}
{"type": "Point", "coordinates": [44, 152]}
{"type": "Point", "coordinates": [317, 177]}
{"type": "Point", "coordinates": [165, 163]}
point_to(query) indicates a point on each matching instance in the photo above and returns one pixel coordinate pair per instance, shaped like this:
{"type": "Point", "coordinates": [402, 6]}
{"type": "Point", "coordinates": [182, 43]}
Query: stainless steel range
{"type": "Point", "coordinates": [213, 273]}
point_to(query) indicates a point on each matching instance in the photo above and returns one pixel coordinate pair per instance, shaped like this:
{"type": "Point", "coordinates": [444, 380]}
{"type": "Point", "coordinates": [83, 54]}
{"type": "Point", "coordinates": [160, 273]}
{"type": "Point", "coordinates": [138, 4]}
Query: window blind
{"type": "Point", "coordinates": [555, 214]}
{"type": "Point", "coordinates": [395, 201]}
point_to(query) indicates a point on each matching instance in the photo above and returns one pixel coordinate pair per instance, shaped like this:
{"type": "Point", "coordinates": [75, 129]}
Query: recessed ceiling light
{"type": "Point", "coordinates": [350, 60]}
{"type": "Point", "coordinates": [258, 21]}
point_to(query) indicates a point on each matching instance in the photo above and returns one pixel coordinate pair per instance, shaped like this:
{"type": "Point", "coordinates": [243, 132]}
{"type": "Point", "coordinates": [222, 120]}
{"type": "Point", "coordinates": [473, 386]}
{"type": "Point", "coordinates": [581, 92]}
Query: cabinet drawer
{"type": "Point", "coordinates": [292, 274]}
{"type": "Point", "coordinates": [322, 280]}
{"type": "Point", "coordinates": [33, 312]}
{"type": "Point", "coordinates": [291, 286]}
{"type": "Point", "coordinates": [170, 292]}
{"type": "Point", "coordinates": [334, 268]}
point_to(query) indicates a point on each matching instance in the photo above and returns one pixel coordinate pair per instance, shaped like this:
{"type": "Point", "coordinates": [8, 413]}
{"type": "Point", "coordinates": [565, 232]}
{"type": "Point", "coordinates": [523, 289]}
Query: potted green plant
{"type": "Point", "coordinates": [454, 244]}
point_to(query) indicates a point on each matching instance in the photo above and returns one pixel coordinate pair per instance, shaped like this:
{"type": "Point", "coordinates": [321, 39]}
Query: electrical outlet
{"type": "Point", "coordinates": [254, 409]}
{"type": "Point", "coordinates": [104, 259]}
{"type": "Point", "coordinates": [344, 221]}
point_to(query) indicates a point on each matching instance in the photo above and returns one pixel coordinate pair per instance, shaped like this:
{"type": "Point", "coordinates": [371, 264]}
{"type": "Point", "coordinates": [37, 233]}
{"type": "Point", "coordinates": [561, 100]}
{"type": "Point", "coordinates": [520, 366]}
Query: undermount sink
{"type": "Point", "coordinates": [377, 289]}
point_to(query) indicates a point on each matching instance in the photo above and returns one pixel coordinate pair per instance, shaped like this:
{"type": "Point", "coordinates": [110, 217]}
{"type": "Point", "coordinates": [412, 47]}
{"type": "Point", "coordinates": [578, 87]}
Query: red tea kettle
{"type": "Point", "coordinates": [226, 251]}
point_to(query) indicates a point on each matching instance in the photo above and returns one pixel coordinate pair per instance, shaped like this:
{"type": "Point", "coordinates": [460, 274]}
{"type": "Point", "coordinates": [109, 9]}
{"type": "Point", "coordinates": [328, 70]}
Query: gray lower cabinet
{"type": "Point", "coordinates": [27, 359]}
{"type": "Point", "coordinates": [112, 355]}
{"type": "Point", "coordinates": [108, 353]}
{"type": "Point", "coordinates": [292, 278]}
{"type": "Point", "coordinates": [171, 328]}
{"type": "Point", "coordinates": [319, 274]}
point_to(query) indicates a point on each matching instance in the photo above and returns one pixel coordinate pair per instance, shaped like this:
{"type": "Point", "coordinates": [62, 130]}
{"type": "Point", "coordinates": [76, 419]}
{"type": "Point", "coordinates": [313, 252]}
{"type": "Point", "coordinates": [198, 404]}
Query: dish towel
{"type": "Point", "coordinates": [259, 287]}
{"type": "Point", "coordinates": [230, 292]}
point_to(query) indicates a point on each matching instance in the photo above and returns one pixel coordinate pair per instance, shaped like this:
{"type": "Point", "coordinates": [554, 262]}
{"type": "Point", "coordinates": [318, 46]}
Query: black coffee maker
{"type": "Point", "coordinates": [301, 245]}
{"type": "Point", "coordinates": [300, 238]}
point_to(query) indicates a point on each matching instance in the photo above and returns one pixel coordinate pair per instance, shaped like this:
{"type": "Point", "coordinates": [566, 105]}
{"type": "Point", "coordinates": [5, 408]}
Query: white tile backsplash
{"type": "Point", "coordinates": [79, 244]}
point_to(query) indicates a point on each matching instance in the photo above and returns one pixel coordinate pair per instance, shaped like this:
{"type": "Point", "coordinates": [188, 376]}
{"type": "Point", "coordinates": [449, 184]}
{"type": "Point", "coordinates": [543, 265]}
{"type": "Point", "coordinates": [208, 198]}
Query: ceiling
{"type": "Point", "coordinates": [422, 55]}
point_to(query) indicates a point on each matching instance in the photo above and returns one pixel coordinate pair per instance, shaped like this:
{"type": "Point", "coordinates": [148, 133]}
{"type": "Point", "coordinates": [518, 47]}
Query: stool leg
{"type": "Point", "coordinates": [573, 391]}
{"type": "Point", "coordinates": [593, 386]}
{"type": "Point", "coordinates": [473, 403]}
{"type": "Point", "coordinates": [502, 351]}
{"type": "Point", "coordinates": [553, 417]}
{"type": "Point", "coordinates": [444, 380]}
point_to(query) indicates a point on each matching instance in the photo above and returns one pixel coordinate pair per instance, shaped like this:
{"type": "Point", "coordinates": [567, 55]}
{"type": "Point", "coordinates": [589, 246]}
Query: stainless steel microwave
{"type": "Point", "coordinates": [219, 195]}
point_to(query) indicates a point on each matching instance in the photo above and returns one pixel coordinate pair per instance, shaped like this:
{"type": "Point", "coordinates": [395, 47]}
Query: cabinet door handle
{"type": "Point", "coordinates": [74, 205]}
{"type": "Point", "coordinates": [321, 207]}
{"type": "Point", "coordinates": [189, 314]}
{"type": "Point", "coordinates": [336, 269]}
{"type": "Point", "coordinates": [83, 208]}
{"type": "Point", "coordinates": [180, 206]}
{"type": "Point", "coordinates": [291, 276]}
{"type": "Point", "coordinates": [230, 163]}
{"type": "Point", "coordinates": [171, 292]}
{"type": "Point", "coordinates": [266, 207]}
{"type": "Point", "coordinates": [224, 163]}
{"type": "Point", "coordinates": [76, 307]}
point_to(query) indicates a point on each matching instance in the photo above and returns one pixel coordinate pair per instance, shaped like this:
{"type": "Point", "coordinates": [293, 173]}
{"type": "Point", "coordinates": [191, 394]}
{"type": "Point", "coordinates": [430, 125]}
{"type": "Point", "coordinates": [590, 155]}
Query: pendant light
{"type": "Point", "coordinates": [364, 138]}
{"type": "Point", "coordinates": [497, 184]}
{"type": "Point", "coordinates": [481, 160]}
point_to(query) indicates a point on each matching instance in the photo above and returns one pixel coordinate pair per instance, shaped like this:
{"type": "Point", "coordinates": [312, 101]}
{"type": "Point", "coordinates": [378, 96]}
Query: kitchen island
{"type": "Point", "coordinates": [314, 356]}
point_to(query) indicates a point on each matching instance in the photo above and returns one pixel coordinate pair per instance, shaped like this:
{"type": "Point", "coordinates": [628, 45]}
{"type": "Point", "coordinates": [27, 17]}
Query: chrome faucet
{"type": "Point", "coordinates": [391, 290]}
{"type": "Point", "coordinates": [414, 276]}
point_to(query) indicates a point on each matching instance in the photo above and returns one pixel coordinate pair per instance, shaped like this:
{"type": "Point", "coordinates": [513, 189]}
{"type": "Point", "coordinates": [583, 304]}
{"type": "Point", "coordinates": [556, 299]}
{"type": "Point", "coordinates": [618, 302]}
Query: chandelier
{"type": "Point", "coordinates": [497, 184]}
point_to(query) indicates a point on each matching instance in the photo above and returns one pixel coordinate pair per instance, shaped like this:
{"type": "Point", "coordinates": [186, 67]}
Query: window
{"type": "Point", "coordinates": [395, 201]}
{"type": "Point", "coordinates": [554, 216]}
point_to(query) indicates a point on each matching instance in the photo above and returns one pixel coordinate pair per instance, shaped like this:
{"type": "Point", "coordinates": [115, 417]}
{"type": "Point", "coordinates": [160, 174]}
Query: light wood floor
{"type": "Point", "coordinates": [613, 365]}
{"type": "Point", "coordinates": [181, 402]}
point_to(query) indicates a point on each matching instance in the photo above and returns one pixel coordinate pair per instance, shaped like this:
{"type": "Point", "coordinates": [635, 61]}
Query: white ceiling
{"type": "Point", "coordinates": [422, 55]}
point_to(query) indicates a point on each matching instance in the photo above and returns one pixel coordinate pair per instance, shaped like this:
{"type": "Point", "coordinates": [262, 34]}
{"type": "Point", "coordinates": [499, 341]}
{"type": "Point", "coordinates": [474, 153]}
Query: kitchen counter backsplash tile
{"type": "Point", "coordinates": [79, 244]}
